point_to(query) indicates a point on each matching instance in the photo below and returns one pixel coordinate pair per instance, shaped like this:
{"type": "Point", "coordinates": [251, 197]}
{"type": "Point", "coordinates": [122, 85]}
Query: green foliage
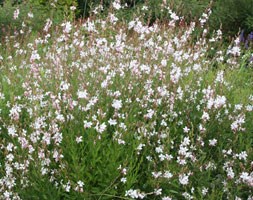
{"type": "Point", "coordinates": [226, 14]}
{"type": "Point", "coordinates": [99, 160]}
{"type": "Point", "coordinates": [191, 9]}
{"type": "Point", "coordinates": [62, 6]}
{"type": "Point", "coordinates": [232, 16]}
{"type": "Point", "coordinates": [36, 23]}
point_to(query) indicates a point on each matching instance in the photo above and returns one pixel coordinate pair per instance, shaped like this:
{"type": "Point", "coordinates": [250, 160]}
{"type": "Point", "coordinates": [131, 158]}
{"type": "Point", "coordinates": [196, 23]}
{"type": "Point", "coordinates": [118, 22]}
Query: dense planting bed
{"type": "Point", "coordinates": [103, 109]}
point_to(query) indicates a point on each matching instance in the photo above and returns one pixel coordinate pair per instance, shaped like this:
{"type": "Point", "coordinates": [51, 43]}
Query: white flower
{"type": "Point", "coordinates": [67, 187]}
{"type": "Point", "coordinates": [139, 148]}
{"type": "Point", "coordinates": [64, 86]}
{"type": "Point", "coordinates": [9, 147]}
{"type": "Point", "coordinates": [159, 149]}
{"type": "Point", "coordinates": [79, 139]}
{"type": "Point", "coordinates": [187, 196]}
{"type": "Point", "coordinates": [112, 122]}
{"type": "Point", "coordinates": [82, 94]}
{"type": "Point", "coordinates": [87, 124]}
{"type": "Point", "coordinates": [245, 176]}
{"type": "Point", "coordinates": [34, 56]}
{"type": "Point", "coordinates": [80, 183]}
{"type": "Point", "coordinates": [238, 106]}
{"type": "Point", "coordinates": [79, 186]}
{"type": "Point", "coordinates": [204, 191]}
{"type": "Point", "coordinates": [56, 155]}
{"type": "Point", "coordinates": [174, 16]}
{"type": "Point", "coordinates": [113, 18]}
{"type": "Point", "coordinates": [30, 15]}
{"type": "Point", "coordinates": [175, 74]}
{"type": "Point", "coordinates": [234, 126]}
{"type": "Point", "coordinates": [101, 128]}
{"type": "Point", "coordinates": [230, 173]}
{"type": "Point", "coordinates": [166, 198]}
{"type": "Point", "coordinates": [186, 129]}
{"type": "Point", "coordinates": [186, 141]}
{"type": "Point", "coordinates": [219, 101]}
{"type": "Point", "coordinates": [158, 191]}
{"type": "Point", "coordinates": [168, 175]}
{"type": "Point", "coordinates": [150, 113]}
{"type": "Point", "coordinates": [72, 8]}
{"type": "Point", "coordinates": [14, 112]}
{"type": "Point", "coordinates": [117, 104]}
{"type": "Point", "coordinates": [116, 4]}
{"type": "Point", "coordinates": [144, 8]}
{"type": "Point", "coordinates": [164, 62]}
{"type": "Point", "coordinates": [243, 155]}
{"type": "Point", "coordinates": [205, 116]}
{"type": "Point", "coordinates": [184, 179]}
{"type": "Point", "coordinates": [248, 107]}
{"type": "Point", "coordinates": [16, 13]}
{"type": "Point", "coordinates": [135, 194]}
{"type": "Point", "coordinates": [9, 157]}
{"type": "Point", "coordinates": [131, 24]}
{"type": "Point", "coordinates": [235, 51]}
{"type": "Point", "coordinates": [7, 194]}
{"type": "Point", "coordinates": [212, 142]}
{"type": "Point", "coordinates": [220, 77]}
{"type": "Point", "coordinates": [67, 27]}
{"type": "Point", "coordinates": [123, 180]}
{"type": "Point", "coordinates": [157, 174]}
{"type": "Point", "coordinates": [12, 131]}
{"type": "Point", "coordinates": [48, 25]}
{"type": "Point", "coordinates": [124, 171]}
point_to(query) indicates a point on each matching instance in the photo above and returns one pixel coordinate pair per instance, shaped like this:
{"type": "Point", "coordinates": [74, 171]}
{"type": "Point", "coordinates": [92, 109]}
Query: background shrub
{"type": "Point", "coordinates": [85, 6]}
{"type": "Point", "coordinates": [41, 11]}
{"type": "Point", "coordinates": [226, 13]}
{"type": "Point", "coordinates": [232, 16]}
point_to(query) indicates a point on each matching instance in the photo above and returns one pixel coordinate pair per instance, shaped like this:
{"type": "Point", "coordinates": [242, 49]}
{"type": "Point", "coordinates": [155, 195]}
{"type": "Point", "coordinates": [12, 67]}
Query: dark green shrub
{"type": "Point", "coordinates": [61, 7]}
{"type": "Point", "coordinates": [41, 9]}
{"type": "Point", "coordinates": [191, 9]}
{"type": "Point", "coordinates": [231, 15]}
{"type": "Point", "coordinates": [85, 6]}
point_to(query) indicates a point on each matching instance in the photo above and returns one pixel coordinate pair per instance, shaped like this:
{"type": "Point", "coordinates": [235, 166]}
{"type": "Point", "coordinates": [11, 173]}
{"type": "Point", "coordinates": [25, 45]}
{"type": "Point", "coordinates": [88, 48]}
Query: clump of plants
{"type": "Point", "coordinates": [108, 109]}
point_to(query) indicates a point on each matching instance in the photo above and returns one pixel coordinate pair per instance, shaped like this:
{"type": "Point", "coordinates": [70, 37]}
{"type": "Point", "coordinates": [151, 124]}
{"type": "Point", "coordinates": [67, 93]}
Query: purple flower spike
{"type": "Point", "coordinates": [251, 36]}
{"type": "Point", "coordinates": [241, 37]}
{"type": "Point", "coordinates": [246, 44]}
